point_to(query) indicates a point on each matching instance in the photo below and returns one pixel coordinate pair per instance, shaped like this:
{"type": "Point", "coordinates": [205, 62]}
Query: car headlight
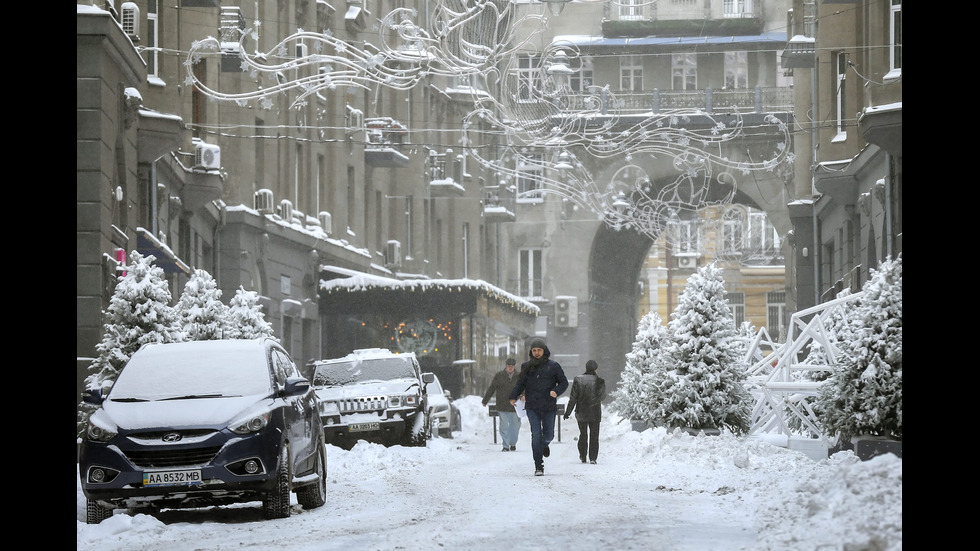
{"type": "Point", "coordinates": [253, 423]}
{"type": "Point", "coordinates": [99, 431]}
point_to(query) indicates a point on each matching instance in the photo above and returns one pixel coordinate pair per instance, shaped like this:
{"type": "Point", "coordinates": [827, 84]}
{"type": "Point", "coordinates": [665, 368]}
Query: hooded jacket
{"type": "Point", "coordinates": [538, 378]}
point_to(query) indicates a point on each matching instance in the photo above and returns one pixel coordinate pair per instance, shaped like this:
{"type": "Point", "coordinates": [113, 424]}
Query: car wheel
{"type": "Point", "coordinates": [445, 433]}
{"type": "Point", "coordinates": [314, 495]}
{"type": "Point", "coordinates": [95, 513]}
{"type": "Point", "coordinates": [418, 431]}
{"type": "Point", "coordinates": [276, 502]}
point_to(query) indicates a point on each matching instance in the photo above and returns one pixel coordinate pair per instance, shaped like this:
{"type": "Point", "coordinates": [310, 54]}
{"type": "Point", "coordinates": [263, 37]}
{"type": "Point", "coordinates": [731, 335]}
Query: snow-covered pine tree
{"type": "Point", "coordinates": [202, 314]}
{"type": "Point", "coordinates": [629, 397]}
{"type": "Point", "coordinates": [245, 319]}
{"type": "Point", "coordinates": [702, 384]}
{"type": "Point", "coordinates": [864, 396]}
{"type": "Point", "coordinates": [139, 312]}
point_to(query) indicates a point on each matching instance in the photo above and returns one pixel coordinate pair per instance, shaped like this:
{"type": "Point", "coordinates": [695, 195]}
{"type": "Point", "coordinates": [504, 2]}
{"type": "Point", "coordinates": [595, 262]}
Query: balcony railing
{"type": "Point", "coordinates": [744, 100]}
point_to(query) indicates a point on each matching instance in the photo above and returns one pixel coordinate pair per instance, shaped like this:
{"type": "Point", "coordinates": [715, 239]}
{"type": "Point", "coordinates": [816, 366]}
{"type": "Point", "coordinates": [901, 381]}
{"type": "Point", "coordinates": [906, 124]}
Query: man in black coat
{"type": "Point", "coordinates": [588, 392]}
{"type": "Point", "coordinates": [542, 380]}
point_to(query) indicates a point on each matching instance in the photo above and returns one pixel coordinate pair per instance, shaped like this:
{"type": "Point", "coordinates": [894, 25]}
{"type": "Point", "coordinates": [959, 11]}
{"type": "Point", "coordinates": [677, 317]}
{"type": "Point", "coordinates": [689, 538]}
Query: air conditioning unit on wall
{"type": "Point", "coordinates": [393, 256]}
{"type": "Point", "coordinates": [566, 311]}
{"type": "Point", "coordinates": [207, 156]}
{"type": "Point", "coordinates": [687, 261]}
{"type": "Point", "coordinates": [263, 201]}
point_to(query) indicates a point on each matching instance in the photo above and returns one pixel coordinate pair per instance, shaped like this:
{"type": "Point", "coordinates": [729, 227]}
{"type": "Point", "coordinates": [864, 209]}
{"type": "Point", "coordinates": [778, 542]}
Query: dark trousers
{"type": "Point", "coordinates": [588, 440]}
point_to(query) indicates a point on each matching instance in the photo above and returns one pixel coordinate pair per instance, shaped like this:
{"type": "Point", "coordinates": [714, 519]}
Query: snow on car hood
{"type": "Point", "coordinates": [178, 413]}
{"type": "Point", "coordinates": [367, 388]}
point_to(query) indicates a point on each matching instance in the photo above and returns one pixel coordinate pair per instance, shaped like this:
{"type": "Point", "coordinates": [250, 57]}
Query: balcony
{"type": "Point", "coordinates": [499, 204]}
{"type": "Point", "coordinates": [445, 172]}
{"type": "Point", "coordinates": [383, 143]}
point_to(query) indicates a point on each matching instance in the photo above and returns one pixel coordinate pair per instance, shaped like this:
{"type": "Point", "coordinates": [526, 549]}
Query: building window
{"type": "Point", "coordinates": [581, 78]}
{"type": "Point", "coordinates": [528, 77]}
{"type": "Point", "coordinates": [529, 173]}
{"type": "Point", "coordinates": [631, 73]}
{"type": "Point", "coordinates": [763, 238]}
{"type": "Point", "coordinates": [152, 52]}
{"type": "Point", "coordinates": [631, 9]}
{"type": "Point", "coordinates": [684, 71]}
{"type": "Point", "coordinates": [733, 227]}
{"type": "Point", "coordinates": [684, 235]}
{"type": "Point", "coordinates": [840, 108]}
{"type": "Point", "coordinates": [737, 8]}
{"type": "Point", "coordinates": [736, 70]}
{"type": "Point", "coordinates": [895, 40]}
{"type": "Point", "coordinates": [529, 284]}
{"type": "Point", "coordinates": [736, 302]}
{"type": "Point", "coordinates": [776, 318]}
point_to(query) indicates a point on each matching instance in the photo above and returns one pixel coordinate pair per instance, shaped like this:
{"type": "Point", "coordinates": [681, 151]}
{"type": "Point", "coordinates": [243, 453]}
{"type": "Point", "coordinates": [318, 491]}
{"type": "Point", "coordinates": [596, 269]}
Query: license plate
{"type": "Point", "coordinates": [359, 427]}
{"type": "Point", "coordinates": [172, 478]}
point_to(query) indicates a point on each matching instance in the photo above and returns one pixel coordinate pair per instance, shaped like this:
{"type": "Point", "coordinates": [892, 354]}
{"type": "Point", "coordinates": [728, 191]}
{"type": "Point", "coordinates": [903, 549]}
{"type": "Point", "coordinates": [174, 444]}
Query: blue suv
{"type": "Point", "coordinates": [204, 423]}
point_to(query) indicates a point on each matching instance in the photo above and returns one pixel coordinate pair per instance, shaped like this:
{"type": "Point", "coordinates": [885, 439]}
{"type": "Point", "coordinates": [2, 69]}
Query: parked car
{"type": "Point", "coordinates": [203, 423]}
{"type": "Point", "coordinates": [445, 416]}
{"type": "Point", "coordinates": [373, 394]}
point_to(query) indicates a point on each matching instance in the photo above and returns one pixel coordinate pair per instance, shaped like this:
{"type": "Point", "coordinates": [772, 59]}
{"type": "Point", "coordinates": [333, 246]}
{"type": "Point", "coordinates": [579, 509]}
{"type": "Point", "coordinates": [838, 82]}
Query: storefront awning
{"type": "Point", "coordinates": [148, 245]}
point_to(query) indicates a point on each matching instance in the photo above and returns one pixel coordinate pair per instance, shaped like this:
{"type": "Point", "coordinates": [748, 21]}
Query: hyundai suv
{"type": "Point", "coordinates": [373, 394]}
{"type": "Point", "coordinates": [203, 423]}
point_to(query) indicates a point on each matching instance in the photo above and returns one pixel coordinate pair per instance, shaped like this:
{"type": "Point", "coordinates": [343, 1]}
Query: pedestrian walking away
{"type": "Point", "coordinates": [588, 392]}
{"type": "Point", "coordinates": [541, 381]}
{"type": "Point", "coordinates": [510, 423]}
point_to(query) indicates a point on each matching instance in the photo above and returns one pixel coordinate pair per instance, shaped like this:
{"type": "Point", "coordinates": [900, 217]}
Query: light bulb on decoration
{"type": "Point", "coordinates": [555, 6]}
{"type": "Point", "coordinates": [564, 162]}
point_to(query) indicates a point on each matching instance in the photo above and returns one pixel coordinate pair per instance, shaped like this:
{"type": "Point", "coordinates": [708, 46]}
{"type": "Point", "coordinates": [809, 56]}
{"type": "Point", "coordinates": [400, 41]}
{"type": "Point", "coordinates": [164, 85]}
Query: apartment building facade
{"type": "Point", "coordinates": [846, 60]}
{"type": "Point", "coordinates": [182, 158]}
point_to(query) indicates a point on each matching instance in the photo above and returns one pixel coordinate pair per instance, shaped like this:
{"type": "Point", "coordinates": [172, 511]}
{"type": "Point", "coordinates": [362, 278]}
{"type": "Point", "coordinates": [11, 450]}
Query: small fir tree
{"type": "Point", "coordinates": [139, 312]}
{"type": "Point", "coordinates": [701, 382]}
{"type": "Point", "coordinates": [245, 319]}
{"type": "Point", "coordinates": [629, 397]}
{"type": "Point", "coordinates": [203, 316]}
{"type": "Point", "coordinates": [864, 396]}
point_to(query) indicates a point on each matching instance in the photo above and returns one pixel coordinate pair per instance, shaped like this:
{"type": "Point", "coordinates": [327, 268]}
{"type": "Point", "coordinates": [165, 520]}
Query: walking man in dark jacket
{"type": "Point", "coordinates": [510, 424]}
{"type": "Point", "coordinates": [588, 392]}
{"type": "Point", "coordinates": [541, 382]}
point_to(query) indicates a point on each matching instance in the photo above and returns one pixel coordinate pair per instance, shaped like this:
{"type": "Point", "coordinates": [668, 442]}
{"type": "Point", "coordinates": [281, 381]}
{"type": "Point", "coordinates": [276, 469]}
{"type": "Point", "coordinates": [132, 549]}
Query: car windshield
{"type": "Point", "coordinates": [358, 370]}
{"type": "Point", "coordinates": [194, 370]}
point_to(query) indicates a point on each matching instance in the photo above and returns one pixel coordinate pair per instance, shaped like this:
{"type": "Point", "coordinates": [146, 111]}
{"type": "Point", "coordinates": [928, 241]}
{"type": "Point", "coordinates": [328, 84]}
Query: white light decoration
{"type": "Point", "coordinates": [480, 38]}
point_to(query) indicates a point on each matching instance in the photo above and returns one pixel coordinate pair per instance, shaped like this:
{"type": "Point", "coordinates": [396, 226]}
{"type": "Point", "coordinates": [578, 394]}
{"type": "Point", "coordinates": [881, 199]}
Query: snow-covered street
{"type": "Point", "coordinates": [649, 490]}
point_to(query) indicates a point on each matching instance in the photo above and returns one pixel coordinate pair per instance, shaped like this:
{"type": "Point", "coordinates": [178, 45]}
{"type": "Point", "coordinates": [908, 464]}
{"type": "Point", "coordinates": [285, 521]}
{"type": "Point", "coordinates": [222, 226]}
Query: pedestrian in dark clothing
{"type": "Point", "coordinates": [541, 381]}
{"type": "Point", "coordinates": [510, 424]}
{"type": "Point", "coordinates": [588, 392]}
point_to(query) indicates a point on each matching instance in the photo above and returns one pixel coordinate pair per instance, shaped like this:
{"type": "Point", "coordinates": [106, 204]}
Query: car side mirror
{"type": "Point", "coordinates": [93, 396]}
{"type": "Point", "coordinates": [448, 394]}
{"type": "Point", "coordinates": [428, 377]}
{"type": "Point", "coordinates": [296, 386]}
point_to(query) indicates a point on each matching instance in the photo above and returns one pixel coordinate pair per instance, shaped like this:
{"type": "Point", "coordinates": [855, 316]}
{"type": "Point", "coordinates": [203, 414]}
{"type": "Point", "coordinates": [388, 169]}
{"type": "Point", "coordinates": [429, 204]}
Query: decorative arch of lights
{"type": "Point", "coordinates": [530, 114]}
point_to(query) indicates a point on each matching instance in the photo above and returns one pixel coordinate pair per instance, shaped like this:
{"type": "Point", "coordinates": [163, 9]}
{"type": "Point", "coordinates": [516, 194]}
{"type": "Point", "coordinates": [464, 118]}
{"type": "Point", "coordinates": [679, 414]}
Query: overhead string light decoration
{"type": "Point", "coordinates": [548, 130]}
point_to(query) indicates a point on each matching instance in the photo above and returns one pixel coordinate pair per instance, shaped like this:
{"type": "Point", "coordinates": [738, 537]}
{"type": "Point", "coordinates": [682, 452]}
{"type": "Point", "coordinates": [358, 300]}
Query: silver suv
{"type": "Point", "coordinates": [375, 395]}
